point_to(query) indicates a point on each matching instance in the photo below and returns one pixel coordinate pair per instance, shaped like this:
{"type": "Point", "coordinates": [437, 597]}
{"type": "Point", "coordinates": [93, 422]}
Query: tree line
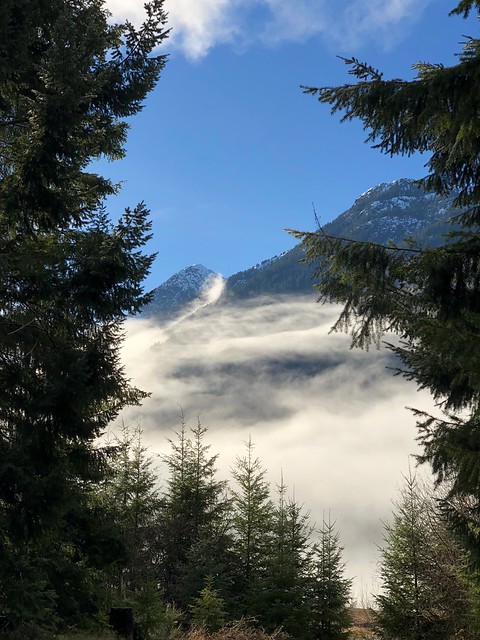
{"type": "Point", "coordinates": [193, 552]}
{"type": "Point", "coordinates": [210, 552]}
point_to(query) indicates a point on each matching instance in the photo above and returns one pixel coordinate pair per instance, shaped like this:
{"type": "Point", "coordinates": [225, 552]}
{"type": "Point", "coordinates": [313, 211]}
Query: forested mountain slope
{"type": "Point", "coordinates": [389, 212]}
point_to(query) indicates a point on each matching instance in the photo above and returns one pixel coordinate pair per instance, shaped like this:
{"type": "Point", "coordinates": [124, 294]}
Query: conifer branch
{"type": "Point", "coordinates": [309, 235]}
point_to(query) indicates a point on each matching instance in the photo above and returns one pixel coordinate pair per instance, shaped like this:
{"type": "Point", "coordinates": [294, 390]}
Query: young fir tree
{"type": "Point", "coordinates": [424, 591]}
{"type": "Point", "coordinates": [194, 526]}
{"type": "Point", "coordinates": [208, 609]}
{"type": "Point", "coordinates": [253, 513]}
{"type": "Point", "coordinates": [68, 80]}
{"type": "Point", "coordinates": [330, 591]}
{"type": "Point", "coordinates": [131, 495]}
{"type": "Point", "coordinates": [154, 619]}
{"type": "Point", "coordinates": [282, 601]}
{"type": "Point", "coordinates": [429, 297]}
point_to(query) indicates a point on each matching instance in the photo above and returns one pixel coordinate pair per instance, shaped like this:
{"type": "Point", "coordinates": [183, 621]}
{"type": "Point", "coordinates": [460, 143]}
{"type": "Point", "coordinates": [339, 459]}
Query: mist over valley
{"type": "Point", "coordinates": [332, 420]}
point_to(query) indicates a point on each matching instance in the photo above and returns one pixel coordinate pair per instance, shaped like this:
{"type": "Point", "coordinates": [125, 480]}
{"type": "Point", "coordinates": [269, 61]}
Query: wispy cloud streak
{"type": "Point", "coordinates": [200, 25]}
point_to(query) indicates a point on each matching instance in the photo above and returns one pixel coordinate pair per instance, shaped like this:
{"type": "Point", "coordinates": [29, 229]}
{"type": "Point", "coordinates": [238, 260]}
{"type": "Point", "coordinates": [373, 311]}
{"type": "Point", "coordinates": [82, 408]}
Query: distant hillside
{"type": "Point", "coordinates": [388, 212]}
{"type": "Point", "coordinates": [281, 274]}
{"type": "Point", "coordinates": [393, 211]}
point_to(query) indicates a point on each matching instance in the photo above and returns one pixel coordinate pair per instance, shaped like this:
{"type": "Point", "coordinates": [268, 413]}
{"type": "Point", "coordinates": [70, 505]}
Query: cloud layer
{"type": "Point", "coordinates": [332, 419]}
{"type": "Point", "coordinates": [200, 25]}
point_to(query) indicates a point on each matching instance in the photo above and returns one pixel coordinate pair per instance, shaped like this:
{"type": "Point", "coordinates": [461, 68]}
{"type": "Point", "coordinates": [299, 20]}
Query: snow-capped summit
{"type": "Point", "coordinates": [192, 278]}
{"type": "Point", "coordinates": [392, 211]}
{"type": "Point", "coordinates": [174, 297]}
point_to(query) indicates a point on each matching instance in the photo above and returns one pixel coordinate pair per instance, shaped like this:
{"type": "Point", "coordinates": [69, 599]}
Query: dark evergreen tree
{"type": "Point", "coordinates": [68, 80]}
{"type": "Point", "coordinates": [430, 298]}
{"type": "Point", "coordinates": [194, 526]}
{"type": "Point", "coordinates": [330, 591]}
{"type": "Point", "coordinates": [424, 591]}
{"type": "Point", "coordinates": [131, 496]}
{"type": "Point", "coordinates": [282, 601]}
{"type": "Point", "coordinates": [253, 513]}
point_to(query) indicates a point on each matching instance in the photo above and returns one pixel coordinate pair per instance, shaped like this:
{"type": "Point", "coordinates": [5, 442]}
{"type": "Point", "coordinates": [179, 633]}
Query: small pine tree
{"type": "Point", "coordinates": [425, 595]}
{"type": "Point", "coordinates": [330, 590]}
{"type": "Point", "coordinates": [156, 620]}
{"type": "Point", "coordinates": [131, 496]}
{"type": "Point", "coordinates": [253, 513]}
{"type": "Point", "coordinates": [207, 610]}
{"type": "Point", "coordinates": [282, 601]}
{"type": "Point", "coordinates": [194, 518]}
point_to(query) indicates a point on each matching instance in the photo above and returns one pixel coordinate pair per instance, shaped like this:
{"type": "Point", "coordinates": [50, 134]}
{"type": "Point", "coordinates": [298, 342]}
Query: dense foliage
{"type": "Point", "coordinates": [429, 297]}
{"type": "Point", "coordinates": [297, 581]}
{"type": "Point", "coordinates": [68, 79]}
{"type": "Point", "coordinates": [425, 592]}
{"type": "Point", "coordinates": [218, 552]}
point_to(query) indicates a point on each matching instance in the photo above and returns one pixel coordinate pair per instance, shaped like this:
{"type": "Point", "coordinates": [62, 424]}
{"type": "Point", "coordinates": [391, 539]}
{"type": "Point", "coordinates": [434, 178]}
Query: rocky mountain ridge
{"type": "Point", "coordinates": [172, 297]}
{"type": "Point", "coordinates": [393, 211]}
{"type": "Point", "coordinates": [388, 212]}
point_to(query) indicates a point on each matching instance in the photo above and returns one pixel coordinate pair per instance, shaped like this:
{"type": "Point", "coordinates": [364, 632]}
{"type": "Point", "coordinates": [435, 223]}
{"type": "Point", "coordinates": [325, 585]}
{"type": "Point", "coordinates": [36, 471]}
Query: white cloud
{"type": "Point", "coordinates": [200, 25]}
{"type": "Point", "coordinates": [294, 20]}
{"type": "Point", "coordinates": [384, 22]}
{"type": "Point", "coordinates": [332, 419]}
{"type": "Point", "coordinates": [213, 291]}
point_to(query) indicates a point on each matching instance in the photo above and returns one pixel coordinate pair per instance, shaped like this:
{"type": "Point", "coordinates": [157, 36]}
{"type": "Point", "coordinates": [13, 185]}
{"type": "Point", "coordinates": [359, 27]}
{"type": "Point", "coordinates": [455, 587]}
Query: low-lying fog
{"type": "Point", "coordinates": [333, 420]}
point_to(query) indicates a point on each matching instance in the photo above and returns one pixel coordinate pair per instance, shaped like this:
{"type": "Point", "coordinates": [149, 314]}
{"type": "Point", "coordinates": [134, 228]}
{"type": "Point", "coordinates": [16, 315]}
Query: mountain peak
{"type": "Point", "coordinates": [178, 293]}
{"type": "Point", "coordinates": [192, 278]}
{"type": "Point", "coordinates": [391, 211]}
{"type": "Point", "coordinates": [402, 185]}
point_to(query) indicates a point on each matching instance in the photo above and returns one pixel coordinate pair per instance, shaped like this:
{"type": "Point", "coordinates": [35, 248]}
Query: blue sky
{"type": "Point", "coordinates": [228, 152]}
